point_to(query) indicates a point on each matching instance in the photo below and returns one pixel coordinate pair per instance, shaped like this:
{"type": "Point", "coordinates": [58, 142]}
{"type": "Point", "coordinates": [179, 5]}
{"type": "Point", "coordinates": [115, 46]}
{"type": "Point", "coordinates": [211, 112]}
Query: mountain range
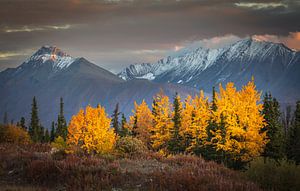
{"type": "Point", "coordinates": [51, 73]}
{"type": "Point", "coordinates": [275, 68]}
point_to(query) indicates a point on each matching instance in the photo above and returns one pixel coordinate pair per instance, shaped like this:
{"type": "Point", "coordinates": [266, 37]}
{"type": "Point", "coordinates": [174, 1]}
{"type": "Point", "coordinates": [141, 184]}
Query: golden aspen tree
{"type": "Point", "coordinates": [141, 122]}
{"type": "Point", "coordinates": [201, 117]}
{"type": "Point", "coordinates": [90, 130]}
{"type": "Point", "coordinates": [162, 122]}
{"type": "Point", "coordinates": [240, 121]}
{"type": "Point", "coordinates": [187, 120]}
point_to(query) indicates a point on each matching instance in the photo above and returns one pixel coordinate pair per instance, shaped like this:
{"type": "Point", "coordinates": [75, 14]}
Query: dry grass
{"type": "Point", "coordinates": [33, 167]}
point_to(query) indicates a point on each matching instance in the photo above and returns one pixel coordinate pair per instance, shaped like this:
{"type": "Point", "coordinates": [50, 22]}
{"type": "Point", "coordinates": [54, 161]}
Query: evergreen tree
{"type": "Point", "coordinates": [213, 105]}
{"type": "Point", "coordinates": [34, 127]}
{"type": "Point", "coordinates": [210, 152]}
{"type": "Point", "coordinates": [123, 121]}
{"type": "Point", "coordinates": [124, 131]}
{"type": "Point", "coordinates": [115, 119]}
{"type": "Point", "coordinates": [53, 132]}
{"type": "Point", "coordinates": [134, 127]}
{"type": "Point", "coordinates": [47, 136]}
{"type": "Point", "coordinates": [294, 137]}
{"type": "Point", "coordinates": [22, 123]}
{"type": "Point", "coordinates": [5, 119]}
{"type": "Point", "coordinates": [271, 110]}
{"type": "Point", "coordinates": [62, 129]}
{"type": "Point", "coordinates": [175, 144]}
{"type": "Point", "coordinates": [287, 120]}
{"type": "Point", "coordinates": [42, 134]}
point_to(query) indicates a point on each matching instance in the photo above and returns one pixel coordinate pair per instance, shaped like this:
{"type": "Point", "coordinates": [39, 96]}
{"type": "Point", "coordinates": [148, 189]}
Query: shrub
{"type": "Point", "coordinates": [13, 134]}
{"type": "Point", "coordinates": [59, 143]}
{"type": "Point", "coordinates": [130, 146]}
{"type": "Point", "coordinates": [269, 174]}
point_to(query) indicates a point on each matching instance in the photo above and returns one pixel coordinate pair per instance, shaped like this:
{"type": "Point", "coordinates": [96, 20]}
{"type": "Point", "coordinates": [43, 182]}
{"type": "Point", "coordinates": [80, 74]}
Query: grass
{"type": "Point", "coordinates": [35, 167]}
{"type": "Point", "coordinates": [282, 175]}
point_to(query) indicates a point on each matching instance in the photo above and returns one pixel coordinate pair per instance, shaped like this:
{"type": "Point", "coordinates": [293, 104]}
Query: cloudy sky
{"type": "Point", "coordinates": [116, 33]}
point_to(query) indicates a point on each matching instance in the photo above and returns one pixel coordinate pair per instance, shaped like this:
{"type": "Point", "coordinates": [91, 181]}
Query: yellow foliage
{"type": "Point", "coordinates": [141, 122]}
{"type": "Point", "coordinates": [90, 130]}
{"type": "Point", "coordinates": [162, 122]}
{"type": "Point", "coordinates": [59, 143]}
{"type": "Point", "coordinates": [239, 116]}
{"type": "Point", "coordinates": [202, 115]}
{"type": "Point", "coordinates": [14, 134]}
{"type": "Point", "coordinates": [195, 119]}
{"type": "Point", "coordinates": [187, 117]}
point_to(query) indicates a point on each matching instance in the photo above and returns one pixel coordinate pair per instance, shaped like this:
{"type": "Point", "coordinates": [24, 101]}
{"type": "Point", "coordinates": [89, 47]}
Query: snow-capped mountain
{"type": "Point", "coordinates": [275, 67]}
{"type": "Point", "coordinates": [57, 58]}
{"type": "Point", "coordinates": [50, 74]}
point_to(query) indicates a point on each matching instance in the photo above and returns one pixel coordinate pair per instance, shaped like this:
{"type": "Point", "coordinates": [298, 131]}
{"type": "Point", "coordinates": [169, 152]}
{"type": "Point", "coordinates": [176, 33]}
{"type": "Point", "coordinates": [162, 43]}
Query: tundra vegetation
{"type": "Point", "coordinates": [233, 141]}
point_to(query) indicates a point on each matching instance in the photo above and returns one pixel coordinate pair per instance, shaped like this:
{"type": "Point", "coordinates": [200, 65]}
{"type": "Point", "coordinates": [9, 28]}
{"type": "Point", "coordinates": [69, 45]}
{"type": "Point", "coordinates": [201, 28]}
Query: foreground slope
{"type": "Point", "coordinates": [35, 167]}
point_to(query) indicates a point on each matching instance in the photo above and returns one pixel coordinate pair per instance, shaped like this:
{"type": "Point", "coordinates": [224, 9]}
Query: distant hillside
{"type": "Point", "coordinates": [50, 74]}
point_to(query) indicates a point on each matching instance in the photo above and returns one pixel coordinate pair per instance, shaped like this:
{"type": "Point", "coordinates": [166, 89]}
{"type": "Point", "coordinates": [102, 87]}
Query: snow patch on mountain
{"type": "Point", "coordinates": [188, 65]}
{"type": "Point", "coordinates": [58, 58]}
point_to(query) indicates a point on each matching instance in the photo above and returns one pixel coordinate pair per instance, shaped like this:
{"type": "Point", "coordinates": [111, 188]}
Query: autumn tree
{"type": "Point", "coordinates": [13, 134]}
{"type": "Point", "coordinates": [62, 128]}
{"type": "Point", "coordinates": [201, 117]}
{"type": "Point", "coordinates": [162, 120]}
{"type": "Point", "coordinates": [239, 116]}
{"type": "Point", "coordinates": [141, 123]}
{"type": "Point", "coordinates": [271, 111]}
{"type": "Point", "coordinates": [90, 131]}
{"type": "Point", "coordinates": [187, 121]}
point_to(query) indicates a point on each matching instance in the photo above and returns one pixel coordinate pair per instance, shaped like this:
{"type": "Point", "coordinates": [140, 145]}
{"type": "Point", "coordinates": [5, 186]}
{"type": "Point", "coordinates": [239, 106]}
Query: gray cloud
{"type": "Point", "coordinates": [114, 34]}
{"type": "Point", "coordinates": [36, 28]}
{"type": "Point", "coordinates": [257, 6]}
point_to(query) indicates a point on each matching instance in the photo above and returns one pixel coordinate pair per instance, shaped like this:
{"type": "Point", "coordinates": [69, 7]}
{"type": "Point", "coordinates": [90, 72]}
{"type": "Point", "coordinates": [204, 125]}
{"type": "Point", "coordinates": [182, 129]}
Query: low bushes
{"type": "Point", "coordinates": [269, 174]}
{"type": "Point", "coordinates": [13, 134]}
{"type": "Point", "coordinates": [98, 172]}
{"type": "Point", "coordinates": [129, 146]}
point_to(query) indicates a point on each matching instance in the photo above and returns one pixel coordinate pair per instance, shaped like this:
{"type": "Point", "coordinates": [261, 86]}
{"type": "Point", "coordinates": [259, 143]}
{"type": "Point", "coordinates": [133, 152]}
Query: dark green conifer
{"type": "Point", "coordinates": [22, 123]}
{"type": "Point", "coordinates": [294, 137]}
{"type": "Point", "coordinates": [53, 132]}
{"type": "Point", "coordinates": [34, 127]}
{"type": "Point", "coordinates": [175, 144]}
{"type": "Point", "coordinates": [46, 136]}
{"type": "Point", "coordinates": [115, 119]}
{"type": "Point", "coordinates": [124, 131]}
{"type": "Point", "coordinates": [271, 110]}
{"type": "Point", "coordinates": [62, 129]}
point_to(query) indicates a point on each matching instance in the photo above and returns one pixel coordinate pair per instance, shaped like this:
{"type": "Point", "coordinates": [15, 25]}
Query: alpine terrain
{"type": "Point", "coordinates": [51, 73]}
{"type": "Point", "coordinates": [275, 67]}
